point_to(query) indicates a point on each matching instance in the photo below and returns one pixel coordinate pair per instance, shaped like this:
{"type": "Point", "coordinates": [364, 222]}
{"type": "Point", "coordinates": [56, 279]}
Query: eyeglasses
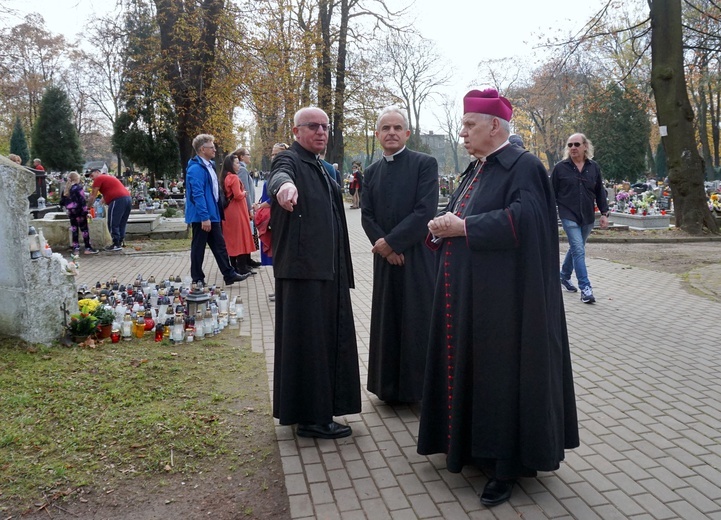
{"type": "Point", "coordinates": [313, 127]}
{"type": "Point", "coordinates": [571, 145]}
{"type": "Point", "coordinates": [209, 146]}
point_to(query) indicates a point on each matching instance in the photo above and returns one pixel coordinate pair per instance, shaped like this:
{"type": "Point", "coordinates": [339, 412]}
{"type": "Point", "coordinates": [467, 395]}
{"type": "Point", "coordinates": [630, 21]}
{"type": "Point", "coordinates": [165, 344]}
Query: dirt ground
{"type": "Point", "coordinates": [697, 263]}
{"type": "Point", "coordinates": [224, 494]}
{"type": "Point", "coordinates": [220, 492]}
{"type": "Point", "coordinates": [665, 256]}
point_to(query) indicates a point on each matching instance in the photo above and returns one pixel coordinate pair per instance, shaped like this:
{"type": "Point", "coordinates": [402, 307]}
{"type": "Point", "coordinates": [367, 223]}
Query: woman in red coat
{"type": "Point", "coordinates": [236, 226]}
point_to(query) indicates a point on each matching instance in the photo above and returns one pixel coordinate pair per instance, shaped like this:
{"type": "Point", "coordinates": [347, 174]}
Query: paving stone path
{"type": "Point", "coordinates": [647, 359]}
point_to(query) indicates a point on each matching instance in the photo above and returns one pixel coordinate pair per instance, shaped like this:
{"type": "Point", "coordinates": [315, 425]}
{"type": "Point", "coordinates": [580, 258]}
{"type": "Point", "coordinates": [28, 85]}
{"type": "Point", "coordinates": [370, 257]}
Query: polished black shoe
{"type": "Point", "coordinates": [496, 492]}
{"type": "Point", "coordinates": [324, 431]}
{"type": "Point", "coordinates": [235, 277]}
{"type": "Point", "coordinates": [253, 263]}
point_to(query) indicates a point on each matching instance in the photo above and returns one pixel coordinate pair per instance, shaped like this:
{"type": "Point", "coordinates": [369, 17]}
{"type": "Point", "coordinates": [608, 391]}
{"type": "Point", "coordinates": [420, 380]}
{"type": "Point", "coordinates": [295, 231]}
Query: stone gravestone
{"type": "Point", "coordinates": [32, 292]}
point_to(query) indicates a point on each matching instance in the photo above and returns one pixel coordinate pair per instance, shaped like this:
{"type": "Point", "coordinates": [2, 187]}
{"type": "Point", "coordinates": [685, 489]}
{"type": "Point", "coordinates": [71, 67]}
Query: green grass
{"type": "Point", "coordinates": [73, 417]}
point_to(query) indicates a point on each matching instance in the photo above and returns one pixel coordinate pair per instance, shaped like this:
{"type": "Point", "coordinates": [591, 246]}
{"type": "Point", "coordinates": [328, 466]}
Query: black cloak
{"type": "Point", "coordinates": [499, 385]}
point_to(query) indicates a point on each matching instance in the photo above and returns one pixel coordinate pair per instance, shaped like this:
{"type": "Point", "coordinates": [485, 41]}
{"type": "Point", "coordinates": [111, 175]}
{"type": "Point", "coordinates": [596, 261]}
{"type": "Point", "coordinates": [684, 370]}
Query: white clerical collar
{"type": "Point", "coordinates": [505, 143]}
{"type": "Point", "coordinates": [391, 158]}
{"type": "Point", "coordinates": [483, 158]}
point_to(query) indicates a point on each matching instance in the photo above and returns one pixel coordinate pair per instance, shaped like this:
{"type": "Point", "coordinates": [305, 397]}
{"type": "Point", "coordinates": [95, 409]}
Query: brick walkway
{"type": "Point", "coordinates": [647, 359]}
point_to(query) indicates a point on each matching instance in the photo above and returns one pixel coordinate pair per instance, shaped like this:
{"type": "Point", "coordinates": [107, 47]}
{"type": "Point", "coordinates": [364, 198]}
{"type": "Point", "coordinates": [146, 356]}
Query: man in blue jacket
{"type": "Point", "coordinates": [204, 214]}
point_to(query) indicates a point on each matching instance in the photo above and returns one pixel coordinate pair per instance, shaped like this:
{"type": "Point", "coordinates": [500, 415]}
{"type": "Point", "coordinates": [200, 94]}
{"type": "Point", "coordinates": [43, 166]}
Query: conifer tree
{"type": "Point", "coordinates": [18, 142]}
{"type": "Point", "coordinates": [55, 139]}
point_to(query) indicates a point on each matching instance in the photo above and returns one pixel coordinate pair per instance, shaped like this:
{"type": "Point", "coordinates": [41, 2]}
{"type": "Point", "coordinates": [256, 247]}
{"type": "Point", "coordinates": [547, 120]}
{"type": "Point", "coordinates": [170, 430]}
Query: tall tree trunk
{"type": "Point", "coordinates": [714, 113]}
{"type": "Point", "coordinates": [685, 165]}
{"type": "Point", "coordinates": [189, 63]}
{"type": "Point", "coordinates": [336, 143]}
{"type": "Point", "coordinates": [703, 131]}
{"type": "Point", "coordinates": [651, 160]}
{"type": "Point", "coordinates": [701, 102]}
{"type": "Point", "coordinates": [325, 73]}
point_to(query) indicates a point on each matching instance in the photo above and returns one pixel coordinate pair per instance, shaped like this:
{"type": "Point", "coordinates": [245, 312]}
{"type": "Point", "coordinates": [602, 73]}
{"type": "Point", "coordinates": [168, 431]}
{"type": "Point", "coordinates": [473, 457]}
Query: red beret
{"type": "Point", "coordinates": [487, 102]}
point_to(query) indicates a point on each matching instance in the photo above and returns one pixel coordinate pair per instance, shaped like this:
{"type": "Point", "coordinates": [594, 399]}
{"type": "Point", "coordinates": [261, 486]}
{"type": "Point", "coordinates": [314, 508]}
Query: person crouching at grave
{"type": "Point", "coordinates": [75, 204]}
{"type": "Point", "coordinates": [117, 197]}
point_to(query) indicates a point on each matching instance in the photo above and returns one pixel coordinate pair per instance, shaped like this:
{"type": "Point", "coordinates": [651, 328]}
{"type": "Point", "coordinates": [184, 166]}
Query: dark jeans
{"type": "Point", "coordinates": [214, 239]}
{"type": "Point", "coordinates": [118, 214]}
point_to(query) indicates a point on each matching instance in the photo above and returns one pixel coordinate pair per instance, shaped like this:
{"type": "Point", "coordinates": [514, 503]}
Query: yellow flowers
{"type": "Point", "coordinates": [88, 306]}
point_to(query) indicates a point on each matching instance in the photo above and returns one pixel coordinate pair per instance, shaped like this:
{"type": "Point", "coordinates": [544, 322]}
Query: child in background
{"type": "Point", "coordinates": [74, 202]}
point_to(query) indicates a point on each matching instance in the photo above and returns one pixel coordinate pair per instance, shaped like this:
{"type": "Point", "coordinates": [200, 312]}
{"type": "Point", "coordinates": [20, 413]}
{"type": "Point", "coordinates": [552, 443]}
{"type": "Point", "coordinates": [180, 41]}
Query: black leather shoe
{"type": "Point", "coordinates": [496, 492]}
{"type": "Point", "coordinates": [324, 431]}
{"type": "Point", "coordinates": [253, 263]}
{"type": "Point", "coordinates": [235, 277]}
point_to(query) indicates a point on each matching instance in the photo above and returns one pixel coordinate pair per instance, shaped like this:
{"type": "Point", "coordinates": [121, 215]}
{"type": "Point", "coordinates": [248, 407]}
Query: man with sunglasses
{"type": "Point", "coordinates": [578, 185]}
{"type": "Point", "coordinates": [316, 375]}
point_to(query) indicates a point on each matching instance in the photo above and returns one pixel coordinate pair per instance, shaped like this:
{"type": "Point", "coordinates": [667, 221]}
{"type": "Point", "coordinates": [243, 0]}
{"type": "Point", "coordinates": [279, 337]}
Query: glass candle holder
{"type": "Point", "coordinates": [115, 335]}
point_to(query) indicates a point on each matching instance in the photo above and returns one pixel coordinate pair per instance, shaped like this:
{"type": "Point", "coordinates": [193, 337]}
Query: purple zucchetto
{"type": "Point", "coordinates": [487, 102]}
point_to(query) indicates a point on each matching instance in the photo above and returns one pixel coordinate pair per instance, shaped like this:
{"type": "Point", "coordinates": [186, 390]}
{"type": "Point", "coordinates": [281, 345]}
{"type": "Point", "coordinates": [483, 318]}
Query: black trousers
{"type": "Point", "coordinates": [214, 239]}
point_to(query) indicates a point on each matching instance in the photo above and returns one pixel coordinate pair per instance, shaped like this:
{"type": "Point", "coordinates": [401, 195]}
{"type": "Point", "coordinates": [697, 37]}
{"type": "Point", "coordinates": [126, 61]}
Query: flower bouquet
{"type": "Point", "coordinates": [84, 323]}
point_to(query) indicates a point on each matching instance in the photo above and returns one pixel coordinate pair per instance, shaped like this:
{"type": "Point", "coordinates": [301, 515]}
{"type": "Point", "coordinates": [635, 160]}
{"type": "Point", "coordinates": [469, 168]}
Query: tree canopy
{"type": "Point", "coordinates": [55, 139]}
{"type": "Point", "coordinates": [619, 127]}
{"type": "Point", "coordinates": [240, 70]}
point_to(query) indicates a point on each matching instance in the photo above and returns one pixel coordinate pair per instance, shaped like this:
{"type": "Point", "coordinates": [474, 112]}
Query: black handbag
{"type": "Point", "coordinates": [224, 201]}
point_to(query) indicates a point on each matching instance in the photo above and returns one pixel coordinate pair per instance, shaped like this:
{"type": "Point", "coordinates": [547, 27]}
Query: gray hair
{"type": "Point", "coordinates": [505, 125]}
{"type": "Point", "coordinates": [587, 153]}
{"type": "Point", "coordinates": [201, 140]}
{"type": "Point", "coordinates": [392, 110]}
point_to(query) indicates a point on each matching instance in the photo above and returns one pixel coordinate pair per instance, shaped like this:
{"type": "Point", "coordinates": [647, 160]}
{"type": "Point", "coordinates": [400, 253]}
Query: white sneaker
{"type": "Point", "coordinates": [587, 295]}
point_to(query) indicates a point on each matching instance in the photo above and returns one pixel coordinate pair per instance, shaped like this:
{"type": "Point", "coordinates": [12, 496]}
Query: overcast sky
{"type": "Point", "coordinates": [465, 31]}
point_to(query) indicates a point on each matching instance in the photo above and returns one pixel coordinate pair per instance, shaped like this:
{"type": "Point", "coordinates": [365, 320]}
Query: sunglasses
{"type": "Point", "coordinates": [571, 145]}
{"type": "Point", "coordinates": [313, 127]}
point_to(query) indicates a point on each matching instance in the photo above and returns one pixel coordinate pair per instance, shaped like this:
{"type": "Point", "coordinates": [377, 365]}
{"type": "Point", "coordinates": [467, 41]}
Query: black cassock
{"type": "Point", "coordinates": [499, 385]}
{"type": "Point", "coordinates": [399, 198]}
{"type": "Point", "coordinates": [316, 373]}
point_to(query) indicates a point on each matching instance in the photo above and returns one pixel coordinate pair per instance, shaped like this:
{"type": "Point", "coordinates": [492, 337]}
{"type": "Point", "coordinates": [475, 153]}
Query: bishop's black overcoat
{"type": "Point", "coordinates": [499, 385]}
